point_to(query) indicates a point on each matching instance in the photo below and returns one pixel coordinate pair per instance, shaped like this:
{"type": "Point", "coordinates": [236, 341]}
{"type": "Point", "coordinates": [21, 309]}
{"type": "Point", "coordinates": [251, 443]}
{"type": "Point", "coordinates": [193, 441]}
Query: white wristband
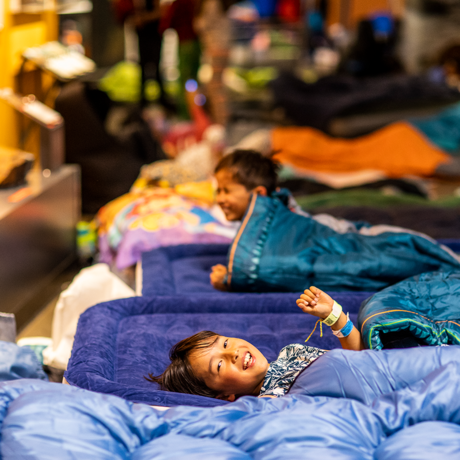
{"type": "Point", "coordinates": [334, 315]}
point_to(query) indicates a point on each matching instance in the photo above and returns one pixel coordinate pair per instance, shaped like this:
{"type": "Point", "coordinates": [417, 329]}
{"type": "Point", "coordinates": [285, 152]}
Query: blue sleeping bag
{"type": "Point", "coordinates": [19, 363]}
{"type": "Point", "coordinates": [49, 421]}
{"type": "Point", "coordinates": [442, 129]}
{"type": "Point", "coordinates": [365, 375]}
{"type": "Point", "coordinates": [279, 250]}
{"type": "Point", "coordinates": [426, 306]}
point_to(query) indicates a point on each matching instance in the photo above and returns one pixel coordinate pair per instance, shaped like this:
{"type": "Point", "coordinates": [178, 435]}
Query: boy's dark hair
{"type": "Point", "coordinates": [179, 376]}
{"type": "Point", "coordinates": [251, 169]}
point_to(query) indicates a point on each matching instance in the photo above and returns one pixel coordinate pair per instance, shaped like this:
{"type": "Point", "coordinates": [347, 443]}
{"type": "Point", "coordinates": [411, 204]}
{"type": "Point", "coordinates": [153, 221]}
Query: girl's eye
{"type": "Point", "coordinates": [218, 366]}
{"type": "Point", "coordinates": [225, 343]}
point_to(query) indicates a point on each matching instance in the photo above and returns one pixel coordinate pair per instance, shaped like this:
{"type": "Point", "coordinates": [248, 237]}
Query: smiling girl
{"type": "Point", "coordinates": [208, 364]}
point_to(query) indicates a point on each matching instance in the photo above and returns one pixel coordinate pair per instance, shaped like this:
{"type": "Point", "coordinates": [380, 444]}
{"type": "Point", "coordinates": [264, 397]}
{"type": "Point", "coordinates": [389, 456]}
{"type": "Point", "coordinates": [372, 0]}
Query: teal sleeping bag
{"type": "Point", "coordinates": [278, 250]}
{"type": "Point", "coordinates": [426, 306]}
{"type": "Point", "coordinates": [442, 129]}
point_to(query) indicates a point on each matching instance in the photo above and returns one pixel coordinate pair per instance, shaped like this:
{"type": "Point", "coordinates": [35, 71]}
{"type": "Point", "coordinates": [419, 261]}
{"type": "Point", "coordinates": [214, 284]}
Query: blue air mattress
{"type": "Point", "coordinates": [185, 269]}
{"type": "Point", "coordinates": [182, 269]}
{"type": "Point", "coordinates": [117, 343]}
{"type": "Point", "coordinates": [421, 421]}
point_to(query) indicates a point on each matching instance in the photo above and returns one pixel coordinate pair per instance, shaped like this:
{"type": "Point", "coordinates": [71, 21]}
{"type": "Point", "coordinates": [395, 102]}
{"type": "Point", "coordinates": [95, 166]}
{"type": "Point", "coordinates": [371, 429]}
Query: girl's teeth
{"type": "Point", "coordinates": [247, 358]}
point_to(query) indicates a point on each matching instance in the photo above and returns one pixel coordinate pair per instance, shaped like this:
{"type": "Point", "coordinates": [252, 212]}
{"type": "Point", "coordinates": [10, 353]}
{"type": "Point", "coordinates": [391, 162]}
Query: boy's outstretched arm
{"type": "Point", "coordinates": [319, 304]}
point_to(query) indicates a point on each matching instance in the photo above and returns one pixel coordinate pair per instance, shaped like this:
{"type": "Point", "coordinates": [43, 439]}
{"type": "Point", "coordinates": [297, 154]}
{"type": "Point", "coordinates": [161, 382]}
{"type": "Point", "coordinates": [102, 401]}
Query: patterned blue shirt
{"type": "Point", "coordinates": [291, 361]}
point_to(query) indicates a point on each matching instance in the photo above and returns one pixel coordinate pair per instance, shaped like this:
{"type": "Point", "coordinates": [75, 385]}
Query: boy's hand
{"type": "Point", "coordinates": [217, 277]}
{"type": "Point", "coordinates": [315, 302]}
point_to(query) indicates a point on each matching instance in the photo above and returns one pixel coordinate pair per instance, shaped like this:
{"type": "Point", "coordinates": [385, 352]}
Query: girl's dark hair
{"type": "Point", "coordinates": [179, 376]}
{"type": "Point", "coordinates": [251, 169]}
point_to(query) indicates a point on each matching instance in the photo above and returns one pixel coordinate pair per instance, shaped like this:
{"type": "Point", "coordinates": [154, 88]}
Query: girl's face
{"type": "Point", "coordinates": [231, 366]}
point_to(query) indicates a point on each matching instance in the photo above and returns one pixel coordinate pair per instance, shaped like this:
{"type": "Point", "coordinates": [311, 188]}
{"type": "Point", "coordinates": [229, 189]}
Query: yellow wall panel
{"type": "Point", "coordinates": [22, 37]}
{"type": "Point", "coordinates": [20, 31]}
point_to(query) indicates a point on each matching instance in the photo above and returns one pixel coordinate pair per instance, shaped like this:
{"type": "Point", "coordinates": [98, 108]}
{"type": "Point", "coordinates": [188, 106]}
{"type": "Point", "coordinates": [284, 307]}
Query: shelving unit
{"type": "Point", "coordinates": [30, 6]}
{"type": "Point", "coordinates": [37, 236]}
{"type": "Point", "coordinates": [74, 7]}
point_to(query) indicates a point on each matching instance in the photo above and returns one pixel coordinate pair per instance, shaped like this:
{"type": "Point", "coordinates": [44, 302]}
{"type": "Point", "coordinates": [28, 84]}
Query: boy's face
{"type": "Point", "coordinates": [232, 197]}
{"type": "Point", "coordinates": [231, 366]}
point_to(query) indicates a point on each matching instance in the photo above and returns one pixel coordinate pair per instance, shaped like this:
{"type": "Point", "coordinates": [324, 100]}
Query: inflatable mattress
{"type": "Point", "coordinates": [182, 269]}
{"type": "Point", "coordinates": [185, 269]}
{"type": "Point", "coordinates": [117, 343]}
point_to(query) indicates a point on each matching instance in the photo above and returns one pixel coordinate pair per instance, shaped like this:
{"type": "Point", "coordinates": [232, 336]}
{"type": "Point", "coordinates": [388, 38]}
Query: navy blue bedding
{"type": "Point", "coordinates": [185, 269]}
{"type": "Point", "coordinates": [182, 269]}
{"type": "Point", "coordinates": [421, 421]}
{"type": "Point", "coordinates": [451, 243]}
{"type": "Point", "coordinates": [117, 343]}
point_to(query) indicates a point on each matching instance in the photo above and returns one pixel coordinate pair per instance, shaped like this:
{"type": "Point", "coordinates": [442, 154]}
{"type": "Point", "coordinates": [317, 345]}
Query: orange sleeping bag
{"type": "Point", "coordinates": [397, 150]}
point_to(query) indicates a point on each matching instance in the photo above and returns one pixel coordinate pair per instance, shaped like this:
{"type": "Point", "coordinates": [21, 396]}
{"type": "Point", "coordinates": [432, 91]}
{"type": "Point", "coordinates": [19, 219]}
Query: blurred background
{"type": "Point", "coordinates": [100, 100]}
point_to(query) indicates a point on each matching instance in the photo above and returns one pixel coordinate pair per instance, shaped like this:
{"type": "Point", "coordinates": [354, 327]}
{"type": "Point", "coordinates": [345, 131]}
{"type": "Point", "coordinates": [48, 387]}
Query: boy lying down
{"type": "Point", "coordinates": [293, 250]}
{"type": "Point", "coordinates": [208, 364]}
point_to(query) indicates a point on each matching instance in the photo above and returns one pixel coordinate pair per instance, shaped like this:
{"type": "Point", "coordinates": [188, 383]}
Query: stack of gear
{"type": "Point", "coordinates": [317, 104]}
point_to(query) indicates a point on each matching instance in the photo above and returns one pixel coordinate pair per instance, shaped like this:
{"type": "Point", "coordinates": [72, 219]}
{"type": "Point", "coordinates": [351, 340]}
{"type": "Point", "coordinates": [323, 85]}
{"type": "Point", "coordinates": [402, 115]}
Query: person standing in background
{"type": "Point", "coordinates": [180, 16]}
{"type": "Point", "coordinates": [214, 30]}
{"type": "Point", "coordinates": [145, 18]}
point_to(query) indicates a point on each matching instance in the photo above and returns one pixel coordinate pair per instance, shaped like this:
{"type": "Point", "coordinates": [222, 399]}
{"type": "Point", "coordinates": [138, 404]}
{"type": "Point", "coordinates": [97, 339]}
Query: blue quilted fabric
{"type": "Point", "coordinates": [419, 421]}
{"type": "Point", "coordinates": [365, 375]}
{"type": "Point", "coordinates": [426, 305]}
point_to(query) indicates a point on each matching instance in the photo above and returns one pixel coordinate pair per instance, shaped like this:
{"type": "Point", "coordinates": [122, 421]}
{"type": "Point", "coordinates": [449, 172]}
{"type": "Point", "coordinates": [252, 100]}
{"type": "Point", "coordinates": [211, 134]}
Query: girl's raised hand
{"type": "Point", "coordinates": [315, 302]}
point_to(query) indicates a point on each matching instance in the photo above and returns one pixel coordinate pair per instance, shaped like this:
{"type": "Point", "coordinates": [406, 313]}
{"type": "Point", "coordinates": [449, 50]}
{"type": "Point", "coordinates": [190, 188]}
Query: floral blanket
{"type": "Point", "coordinates": [149, 218]}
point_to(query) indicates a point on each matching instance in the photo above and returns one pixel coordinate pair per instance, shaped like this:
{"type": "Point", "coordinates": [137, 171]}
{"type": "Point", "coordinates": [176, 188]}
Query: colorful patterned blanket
{"type": "Point", "coordinates": [154, 217]}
